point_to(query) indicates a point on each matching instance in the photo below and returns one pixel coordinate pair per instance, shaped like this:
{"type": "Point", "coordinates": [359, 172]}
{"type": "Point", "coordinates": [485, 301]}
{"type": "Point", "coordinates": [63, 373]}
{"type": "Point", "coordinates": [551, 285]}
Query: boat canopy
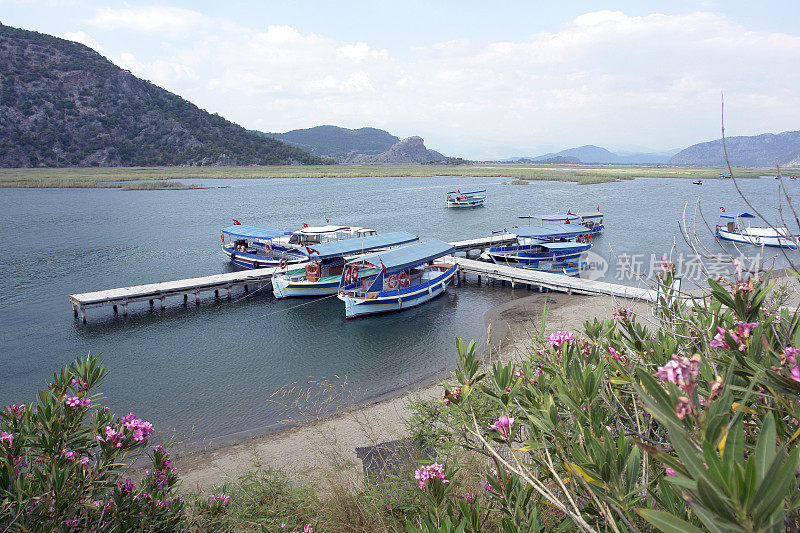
{"type": "Point", "coordinates": [253, 232]}
{"type": "Point", "coordinates": [321, 229]}
{"type": "Point", "coordinates": [467, 191]}
{"type": "Point", "coordinates": [556, 218]}
{"type": "Point", "coordinates": [590, 215]}
{"type": "Point", "coordinates": [407, 256]}
{"type": "Point", "coordinates": [562, 246]}
{"type": "Point", "coordinates": [360, 244]}
{"type": "Point", "coordinates": [552, 231]}
{"type": "Point", "coordinates": [734, 215]}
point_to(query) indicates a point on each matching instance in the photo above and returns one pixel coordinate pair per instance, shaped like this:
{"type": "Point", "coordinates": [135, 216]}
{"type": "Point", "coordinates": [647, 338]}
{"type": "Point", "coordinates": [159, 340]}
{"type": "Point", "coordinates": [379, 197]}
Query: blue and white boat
{"type": "Point", "coordinates": [255, 247]}
{"type": "Point", "coordinates": [737, 230]}
{"type": "Point", "coordinates": [549, 242]}
{"type": "Point", "coordinates": [323, 273]}
{"type": "Point", "coordinates": [398, 279]}
{"type": "Point", "coordinates": [567, 268]}
{"type": "Point", "coordinates": [590, 219]}
{"type": "Point", "coordinates": [466, 198]}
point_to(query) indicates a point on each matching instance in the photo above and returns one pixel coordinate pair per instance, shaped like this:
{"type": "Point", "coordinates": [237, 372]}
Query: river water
{"type": "Point", "coordinates": [213, 370]}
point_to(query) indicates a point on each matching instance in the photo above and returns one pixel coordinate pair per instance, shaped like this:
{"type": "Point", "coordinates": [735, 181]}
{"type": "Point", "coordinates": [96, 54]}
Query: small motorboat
{"type": "Point", "coordinates": [470, 198]}
{"type": "Point", "coordinates": [736, 230]}
{"type": "Point", "coordinates": [697, 182]}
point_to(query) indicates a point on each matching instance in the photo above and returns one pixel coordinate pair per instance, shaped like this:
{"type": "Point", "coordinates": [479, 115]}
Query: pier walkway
{"type": "Point", "coordinates": [258, 278]}
{"type": "Point", "coordinates": [546, 280]}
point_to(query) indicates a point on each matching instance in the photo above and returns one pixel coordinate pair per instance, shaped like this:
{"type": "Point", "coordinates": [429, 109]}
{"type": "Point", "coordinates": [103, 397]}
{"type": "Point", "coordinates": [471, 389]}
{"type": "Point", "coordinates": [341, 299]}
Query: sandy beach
{"type": "Point", "coordinates": [316, 450]}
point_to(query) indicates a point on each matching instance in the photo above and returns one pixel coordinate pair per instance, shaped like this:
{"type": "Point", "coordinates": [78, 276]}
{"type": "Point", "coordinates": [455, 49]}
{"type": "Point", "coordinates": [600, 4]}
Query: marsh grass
{"type": "Point", "coordinates": [583, 174]}
{"type": "Point", "coordinates": [158, 185]}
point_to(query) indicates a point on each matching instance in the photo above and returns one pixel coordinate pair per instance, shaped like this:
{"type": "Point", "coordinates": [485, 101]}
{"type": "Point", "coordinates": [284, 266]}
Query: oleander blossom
{"type": "Point", "coordinates": [560, 337]}
{"type": "Point", "coordinates": [503, 426]}
{"type": "Point", "coordinates": [451, 395]}
{"type": "Point", "coordinates": [223, 500]}
{"type": "Point", "coordinates": [469, 498]}
{"type": "Point", "coordinates": [76, 401]}
{"type": "Point", "coordinates": [112, 437]}
{"type": "Point", "coordinates": [685, 407]}
{"type": "Point", "coordinates": [670, 472]}
{"type": "Point", "coordinates": [140, 429]}
{"type": "Point", "coordinates": [126, 486]}
{"type": "Point", "coordinates": [7, 439]}
{"type": "Point", "coordinates": [431, 473]}
{"type": "Point", "coordinates": [680, 370]}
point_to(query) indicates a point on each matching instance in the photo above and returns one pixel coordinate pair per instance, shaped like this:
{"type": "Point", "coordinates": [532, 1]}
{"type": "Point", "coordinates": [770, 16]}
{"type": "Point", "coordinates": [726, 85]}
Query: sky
{"type": "Point", "coordinates": [475, 79]}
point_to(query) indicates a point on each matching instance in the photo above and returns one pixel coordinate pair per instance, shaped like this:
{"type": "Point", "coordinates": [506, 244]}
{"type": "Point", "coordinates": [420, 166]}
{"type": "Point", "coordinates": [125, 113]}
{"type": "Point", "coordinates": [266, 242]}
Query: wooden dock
{"type": "Point", "coordinates": [545, 280]}
{"type": "Point", "coordinates": [259, 278]}
{"type": "Point", "coordinates": [151, 292]}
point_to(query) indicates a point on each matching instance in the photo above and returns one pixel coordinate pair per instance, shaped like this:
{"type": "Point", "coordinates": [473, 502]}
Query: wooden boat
{"type": "Point", "coordinates": [255, 247]}
{"type": "Point", "coordinates": [549, 242]}
{"type": "Point", "coordinates": [322, 275]}
{"type": "Point", "coordinates": [466, 198]}
{"type": "Point", "coordinates": [398, 279]}
{"type": "Point", "coordinates": [567, 268]}
{"type": "Point", "coordinates": [736, 230]}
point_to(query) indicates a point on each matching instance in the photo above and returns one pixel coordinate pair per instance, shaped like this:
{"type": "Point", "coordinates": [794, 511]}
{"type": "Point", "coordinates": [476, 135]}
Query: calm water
{"type": "Point", "coordinates": [211, 370]}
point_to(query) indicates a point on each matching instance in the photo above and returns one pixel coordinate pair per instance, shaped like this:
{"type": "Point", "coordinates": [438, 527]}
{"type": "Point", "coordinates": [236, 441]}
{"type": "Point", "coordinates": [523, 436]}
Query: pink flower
{"type": "Point", "coordinates": [614, 353]}
{"type": "Point", "coordinates": [503, 426]}
{"type": "Point", "coordinates": [745, 328]}
{"type": "Point", "coordinates": [684, 407]}
{"type": "Point", "coordinates": [430, 472]}
{"type": "Point", "coordinates": [76, 401]}
{"type": "Point", "coordinates": [790, 354]}
{"type": "Point", "coordinates": [795, 373]}
{"type": "Point", "coordinates": [7, 439]}
{"type": "Point", "coordinates": [560, 337]}
{"type": "Point", "coordinates": [680, 370]}
{"type": "Point", "coordinates": [719, 339]}
{"type": "Point", "coordinates": [139, 428]}
{"type": "Point", "coordinates": [670, 472]}
{"type": "Point", "coordinates": [469, 498]}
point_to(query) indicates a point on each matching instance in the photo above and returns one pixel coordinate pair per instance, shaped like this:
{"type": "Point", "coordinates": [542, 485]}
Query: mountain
{"type": "Point", "coordinates": [63, 104]}
{"type": "Point", "coordinates": [595, 154]}
{"type": "Point", "coordinates": [364, 145]}
{"type": "Point", "coordinates": [754, 151]}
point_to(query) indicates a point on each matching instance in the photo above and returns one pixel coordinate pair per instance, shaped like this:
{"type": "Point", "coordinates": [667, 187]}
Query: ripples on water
{"type": "Point", "coordinates": [211, 370]}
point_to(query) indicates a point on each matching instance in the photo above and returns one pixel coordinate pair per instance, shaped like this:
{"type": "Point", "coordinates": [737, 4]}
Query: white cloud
{"type": "Point", "coordinates": [602, 78]}
{"type": "Point", "coordinates": [81, 37]}
{"type": "Point", "coordinates": [162, 20]}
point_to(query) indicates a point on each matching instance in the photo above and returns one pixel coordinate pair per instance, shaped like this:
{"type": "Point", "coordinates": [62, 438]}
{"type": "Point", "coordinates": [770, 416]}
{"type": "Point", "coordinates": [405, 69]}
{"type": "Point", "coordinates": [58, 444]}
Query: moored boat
{"type": "Point", "coordinates": [736, 230]}
{"type": "Point", "coordinates": [550, 242]}
{"type": "Point", "coordinates": [397, 279]}
{"type": "Point", "coordinates": [466, 198]}
{"type": "Point", "coordinates": [323, 273]}
{"type": "Point", "coordinates": [567, 268]}
{"type": "Point", "coordinates": [590, 219]}
{"type": "Point", "coordinates": [311, 235]}
{"type": "Point", "coordinates": [256, 247]}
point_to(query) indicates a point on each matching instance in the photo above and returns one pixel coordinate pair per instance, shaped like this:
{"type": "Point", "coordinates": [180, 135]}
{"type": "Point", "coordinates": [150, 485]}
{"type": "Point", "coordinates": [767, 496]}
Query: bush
{"type": "Point", "coordinates": [689, 422]}
{"type": "Point", "coordinates": [63, 460]}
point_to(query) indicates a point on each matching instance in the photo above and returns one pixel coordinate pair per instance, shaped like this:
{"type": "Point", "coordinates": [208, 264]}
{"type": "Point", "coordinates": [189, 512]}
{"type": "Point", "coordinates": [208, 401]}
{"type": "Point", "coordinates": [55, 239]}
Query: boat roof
{"type": "Point", "coordinates": [551, 231]}
{"type": "Point", "coordinates": [313, 230]}
{"type": "Point", "coordinates": [408, 256]}
{"type": "Point", "coordinates": [253, 232]}
{"type": "Point", "coordinates": [733, 214]}
{"type": "Point", "coordinates": [361, 244]}
{"type": "Point", "coordinates": [467, 191]}
{"type": "Point", "coordinates": [562, 245]}
{"type": "Point", "coordinates": [553, 218]}
{"type": "Point", "coordinates": [590, 214]}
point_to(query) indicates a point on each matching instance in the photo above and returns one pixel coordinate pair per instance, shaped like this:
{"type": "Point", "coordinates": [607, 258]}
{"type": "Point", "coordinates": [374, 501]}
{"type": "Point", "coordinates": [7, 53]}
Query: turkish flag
{"type": "Point", "coordinates": [311, 250]}
{"type": "Point", "coordinates": [236, 222]}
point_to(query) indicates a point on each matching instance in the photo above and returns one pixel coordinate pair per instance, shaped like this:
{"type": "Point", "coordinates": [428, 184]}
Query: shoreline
{"type": "Point", "coordinates": [314, 447]}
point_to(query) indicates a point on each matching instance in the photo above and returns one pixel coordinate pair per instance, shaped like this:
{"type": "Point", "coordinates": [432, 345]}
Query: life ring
{"type": "Point", "coordinates": [354, 274]}
{"type": "Point", "coordinates": [402, 279]}
{"type": "Point", "coordinates": [222, 237]}
{"type": "Point", "coordinates": [268, 248]}
{"type": "Point", "coordinates": [283, 262]}
{"type": "Point", "coordinates": [312, 269]}
{"type": "Point", "coordinates": [391, 281]}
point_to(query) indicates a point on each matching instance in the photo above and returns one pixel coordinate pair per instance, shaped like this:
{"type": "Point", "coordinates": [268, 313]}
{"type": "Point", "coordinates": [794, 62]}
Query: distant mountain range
{"type": "Point", "coordinates": [63, 104]}
{"type": "Point", "coordinates": [364, 145]}
{"type": "Point", "coordinates": [753, 151]}
{"type": "Point", "coordinates": [595, 154]}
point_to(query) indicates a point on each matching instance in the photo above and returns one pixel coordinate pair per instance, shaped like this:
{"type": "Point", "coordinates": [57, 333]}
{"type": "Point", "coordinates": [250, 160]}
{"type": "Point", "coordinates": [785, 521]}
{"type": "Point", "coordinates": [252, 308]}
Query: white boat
{"type": "Point", "coordinates": [323, 273]}
{"type": "Point", "coordinates": [466, 198]}
{"type": "Point", "coordinates": [590, 219]}
{"type": "Point", "coordinates": [311, 235]}
{"type": "Point", "coordinates": [398, 279]}
{"type": "Point", "coordinates": [736, 230]}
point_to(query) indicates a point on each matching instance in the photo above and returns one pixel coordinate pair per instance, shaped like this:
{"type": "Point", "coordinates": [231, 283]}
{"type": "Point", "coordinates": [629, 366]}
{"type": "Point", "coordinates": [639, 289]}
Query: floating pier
{"type": "Point", "coordinates": [546, 280]}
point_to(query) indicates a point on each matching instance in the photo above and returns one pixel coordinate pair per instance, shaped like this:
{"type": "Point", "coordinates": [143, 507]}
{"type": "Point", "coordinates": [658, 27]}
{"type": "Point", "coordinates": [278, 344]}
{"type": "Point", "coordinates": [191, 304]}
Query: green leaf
{"type": "Point", "coordinates": [765, 447]}
{"type": "Point", "coordinates": [667, 522]}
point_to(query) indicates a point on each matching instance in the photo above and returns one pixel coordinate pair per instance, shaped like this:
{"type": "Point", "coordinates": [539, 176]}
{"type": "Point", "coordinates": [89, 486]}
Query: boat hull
{"type": "Point", "coordinates": [517, 255]}
{"type": "Point", "coordinates": [571, 268]}
{"type": "Point", "coordinates": [472, 202]}
{"type": "Point", "coordinates": [299, 287]}
{"type": "Point", "coordinates": [397, 300]}
{"type": "Point", "coordinates": [249, 260]}
{"type": "Point", "coordinates": [776, 241]}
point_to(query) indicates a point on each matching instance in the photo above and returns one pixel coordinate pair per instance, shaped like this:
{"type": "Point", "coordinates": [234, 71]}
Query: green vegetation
{"type": "Point", "coordinates": [583, 174]}
{"type": "Point", "coordinates": [63, 104]}
{"type": "Point", "coordinates": [158, 185]}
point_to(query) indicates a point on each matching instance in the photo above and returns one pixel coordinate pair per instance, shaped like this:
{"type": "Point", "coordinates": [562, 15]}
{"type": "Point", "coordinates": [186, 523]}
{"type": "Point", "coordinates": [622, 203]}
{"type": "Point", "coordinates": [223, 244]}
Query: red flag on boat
{"type": "Point", "coordinates": [327, 221]}
{"type": "Point", "coordinates": [722, 209]}
{"type": "Point", "coordinates": [567, 221]}
{"type": "Point", "coordinates": [459, 191]}
{"type": "Point", "coordinates": [383, 267]}
{"type": "Point", "coordinates": [236, 222]}
{"type": "Point", "coordinates": [305, 225]}
{"type": "Point", "coordinates": [311, 250]}
{"type": "Point", "coordinates": [598, 207]}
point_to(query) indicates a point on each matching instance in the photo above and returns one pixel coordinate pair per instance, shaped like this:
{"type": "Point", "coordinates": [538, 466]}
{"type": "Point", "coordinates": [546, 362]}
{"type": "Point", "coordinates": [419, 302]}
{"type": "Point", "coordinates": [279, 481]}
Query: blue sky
{"type": "Point", "coordinates": [475, 79]}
